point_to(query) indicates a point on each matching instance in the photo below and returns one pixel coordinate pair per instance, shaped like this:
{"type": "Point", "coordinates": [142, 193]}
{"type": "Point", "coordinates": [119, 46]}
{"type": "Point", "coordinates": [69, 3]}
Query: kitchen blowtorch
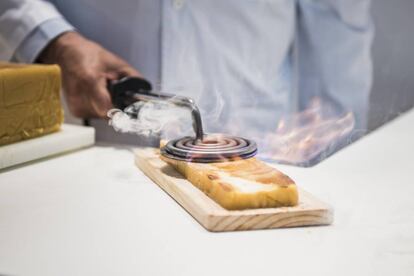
{"type": "Point", "coordinates": [203, 148]}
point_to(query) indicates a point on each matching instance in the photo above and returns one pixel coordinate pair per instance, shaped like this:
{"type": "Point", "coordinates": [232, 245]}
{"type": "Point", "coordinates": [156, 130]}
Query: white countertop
{"type": "Point", "coordinates": [93, 212]}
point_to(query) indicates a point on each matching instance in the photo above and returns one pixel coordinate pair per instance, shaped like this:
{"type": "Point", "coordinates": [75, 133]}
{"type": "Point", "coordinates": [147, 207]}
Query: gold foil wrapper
{"type": "Point", "coordinates": [30, 103]}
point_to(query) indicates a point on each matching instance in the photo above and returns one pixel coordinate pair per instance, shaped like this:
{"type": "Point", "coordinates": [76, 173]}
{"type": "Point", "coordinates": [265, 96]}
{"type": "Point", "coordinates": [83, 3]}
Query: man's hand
{"type": "Point", "coordinates": [86, 69]}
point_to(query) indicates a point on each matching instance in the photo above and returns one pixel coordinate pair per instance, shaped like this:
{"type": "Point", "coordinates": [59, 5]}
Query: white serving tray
{"type": "Point", "coordinates": [70, 137]}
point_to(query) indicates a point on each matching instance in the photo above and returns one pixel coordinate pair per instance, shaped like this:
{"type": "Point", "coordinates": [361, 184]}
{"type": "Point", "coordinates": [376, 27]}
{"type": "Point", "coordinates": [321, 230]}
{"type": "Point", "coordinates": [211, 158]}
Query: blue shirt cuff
{"type": "Point", "coordinates": [39, 38]}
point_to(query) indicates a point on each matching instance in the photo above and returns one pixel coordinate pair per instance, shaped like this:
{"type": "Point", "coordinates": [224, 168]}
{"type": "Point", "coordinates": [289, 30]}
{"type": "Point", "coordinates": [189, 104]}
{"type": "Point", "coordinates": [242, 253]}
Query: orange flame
{"type": "Point", "coordinates": [307, 135]}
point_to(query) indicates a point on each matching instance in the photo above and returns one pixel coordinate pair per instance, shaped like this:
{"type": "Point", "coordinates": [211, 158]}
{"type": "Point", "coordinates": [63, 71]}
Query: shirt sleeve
{"type": "Point", "coordinates": [334, 54]}
{"type": "Point", "coordinates": [20, 19]}
{"type": "Point", "coordinates": [39, 38]}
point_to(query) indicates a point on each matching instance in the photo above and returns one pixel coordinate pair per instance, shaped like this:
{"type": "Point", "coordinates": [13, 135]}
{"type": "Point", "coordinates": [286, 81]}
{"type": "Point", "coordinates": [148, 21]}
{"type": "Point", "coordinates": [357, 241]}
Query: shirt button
{"type": "Point", "coordinates": [178, 4]}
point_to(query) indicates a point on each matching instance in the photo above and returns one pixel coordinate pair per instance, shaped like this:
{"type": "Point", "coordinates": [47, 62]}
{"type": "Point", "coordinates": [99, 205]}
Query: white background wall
{"type": "Point", "coordinates": [393, 52]}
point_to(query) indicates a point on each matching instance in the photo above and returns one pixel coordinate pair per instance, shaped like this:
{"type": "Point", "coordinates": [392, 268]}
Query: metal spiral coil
{"type": "Point", "coordinates": [213, 148]}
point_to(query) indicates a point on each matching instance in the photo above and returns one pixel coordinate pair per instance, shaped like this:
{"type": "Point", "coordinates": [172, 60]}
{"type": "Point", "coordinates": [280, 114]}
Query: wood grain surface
{"type": "Point", "coordinates": [213, 217]}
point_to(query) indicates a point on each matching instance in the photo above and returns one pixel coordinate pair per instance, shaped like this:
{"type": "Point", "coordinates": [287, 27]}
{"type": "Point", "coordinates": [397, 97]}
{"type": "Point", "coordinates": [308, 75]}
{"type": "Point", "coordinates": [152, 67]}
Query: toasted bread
{"type": "Point", "coordinates": [241, 184]}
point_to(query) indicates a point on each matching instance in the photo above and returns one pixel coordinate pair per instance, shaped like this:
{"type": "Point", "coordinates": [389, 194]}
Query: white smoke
{"type": "Point", "coordinates": [152, 118]}
{"type": "Point", "coordinates": [163, 118]}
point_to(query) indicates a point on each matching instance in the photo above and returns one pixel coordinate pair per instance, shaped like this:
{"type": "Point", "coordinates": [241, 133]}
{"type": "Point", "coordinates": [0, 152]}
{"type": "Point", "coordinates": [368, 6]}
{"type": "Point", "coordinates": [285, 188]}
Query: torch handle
{"type": "Point", "coordinates": [122, 91]}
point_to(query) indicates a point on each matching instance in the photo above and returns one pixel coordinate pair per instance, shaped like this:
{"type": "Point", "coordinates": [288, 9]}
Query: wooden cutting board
{"type": "Point", "coordinates": [213, 217]}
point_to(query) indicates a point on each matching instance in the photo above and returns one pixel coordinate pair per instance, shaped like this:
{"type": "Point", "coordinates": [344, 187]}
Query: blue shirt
{"type": "Point", "coordinates": [247, 63]}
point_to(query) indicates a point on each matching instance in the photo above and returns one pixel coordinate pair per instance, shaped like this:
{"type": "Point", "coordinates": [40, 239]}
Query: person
{"type": "Point", "coordinates": [247, 64]}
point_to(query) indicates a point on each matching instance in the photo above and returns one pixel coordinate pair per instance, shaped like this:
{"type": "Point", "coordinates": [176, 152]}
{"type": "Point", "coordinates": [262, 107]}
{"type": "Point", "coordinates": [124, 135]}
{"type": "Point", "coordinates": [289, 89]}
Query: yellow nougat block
{"type": "Point", "coordinates": [240, 184]}
{"type": "Point", "coordinates": [30, 104]}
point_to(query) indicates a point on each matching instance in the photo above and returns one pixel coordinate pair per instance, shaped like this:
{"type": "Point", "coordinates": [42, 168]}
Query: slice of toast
{"type": "Point", "coordinates": [240, 184]}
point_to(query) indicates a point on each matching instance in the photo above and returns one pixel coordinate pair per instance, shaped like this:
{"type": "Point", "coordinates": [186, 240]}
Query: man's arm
{"type": "Point", "coordinates": [86, 69]}
{"type": "Point", "coordinates": [34, 31]}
